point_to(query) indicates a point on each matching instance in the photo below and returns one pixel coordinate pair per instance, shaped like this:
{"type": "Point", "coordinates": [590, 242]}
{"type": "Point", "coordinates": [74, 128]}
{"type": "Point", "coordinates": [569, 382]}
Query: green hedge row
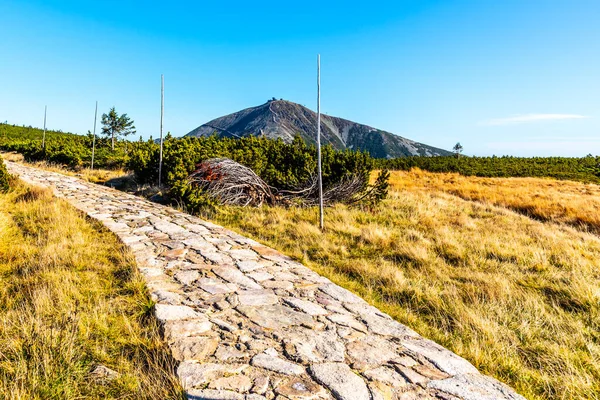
{"type": "Point", "coordinates": [279, 164]}
{"type": "Point", "coordinates": [74, 151]}
{"type": "Point", "coordinates": [585, 169]}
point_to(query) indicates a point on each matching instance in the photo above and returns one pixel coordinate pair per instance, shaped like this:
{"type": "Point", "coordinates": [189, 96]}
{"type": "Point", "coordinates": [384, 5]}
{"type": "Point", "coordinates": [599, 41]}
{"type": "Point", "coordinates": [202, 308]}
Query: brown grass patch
{"type": "Point", "coordinates": [71, 299]}
{"type": "Point", "coordinates": [573, 203]}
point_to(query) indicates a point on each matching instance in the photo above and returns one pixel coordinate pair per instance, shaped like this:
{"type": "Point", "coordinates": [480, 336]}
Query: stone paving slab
{"type": "Point", "coordinates": [247, 322]}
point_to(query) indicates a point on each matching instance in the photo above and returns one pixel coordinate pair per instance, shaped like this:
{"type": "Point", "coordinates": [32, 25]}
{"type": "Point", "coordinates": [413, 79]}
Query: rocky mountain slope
{"type": "Point", "coordinates": [284, 119]}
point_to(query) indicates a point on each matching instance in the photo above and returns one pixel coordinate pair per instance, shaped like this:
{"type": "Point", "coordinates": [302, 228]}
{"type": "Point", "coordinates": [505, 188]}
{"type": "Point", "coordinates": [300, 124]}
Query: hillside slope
{"type": "Point", "coordinates": [284, 119]}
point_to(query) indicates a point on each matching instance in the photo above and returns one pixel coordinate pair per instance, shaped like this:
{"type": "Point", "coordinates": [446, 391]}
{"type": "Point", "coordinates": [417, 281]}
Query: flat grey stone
{"type": "Point", "coordinates": [104, 374]}
{"type": "Point", "coordinates": [386, 375]}
{"type": "Point", "coordinates": [187, 277]}
{"type": "Point", "coordinates": [227, 353]}
{"type": "Point", "coordinates": [261, 384]}
{"type": "Point", "coordinates": [254, 396]}
{"type": "Point", "coordinates": [411, 375]}
{"type": "Point", "coordinates": [347, 320]}
{"type": "Point", "coordinates": [186, 328]}
{"type": "Point", "coordinates": [340, 294]}
{"type": "Point", "coordinates": [234, 275]}
{"type": "Point", "coordinates": [275, 316]}
{"type": "Point", "coordinates": [238, 383]}
{"type": "Point", "coordinates": [441, 357]}
{"type": "Point", "coordinates": [286, 276]}
{"type": "Point", "coordinates": [211, 394]}
{"type": "Point", "coordinates": [257, 297]}
{"type": "Point", "coordinates": [285, 285]}
{"type": "Point", "coordinates": [215, 256]}
{"type": "Point", "coordinates": [308, 346]}
{"type": "Point", "coordinates": [196, 228]}
{"type": "Point", "coordinates": [260, 276]}
{"type": "Point", "coordinates": [475, 387]}
{"type": "Point", "coordinates": [305, 306]}
{"type": "Point", "coordinates": [276, 364]}
{"type": "Point", "coordinates": [370, 352]}
{"type": "Point", "coordinates": [243, 254]}
{"type": "Point", "coordinates": [341, 380]}
{"type": "Point", "coordinates": [168, 312]}
{"type": "Point", "coordinates": [192, 374]}
{"type": "Point", "coordinates": [250, 265]}
{"type": "Point", "coordinates": [198, 243]}
{"type": "Point", "coordinates": [387, 327]}
{"type": "Point", "coordinates": [193, 348]}
{"type": "Point", "coordinates": [297, 388]}
{"type": "Point", "coordinates": [166, 297]}
{"type": "Point", "coordinates": [130, 239]}
{"type": "Point", "coordinates": [214, 286]}
{"type": "Point", "coordinates": [169, 228]}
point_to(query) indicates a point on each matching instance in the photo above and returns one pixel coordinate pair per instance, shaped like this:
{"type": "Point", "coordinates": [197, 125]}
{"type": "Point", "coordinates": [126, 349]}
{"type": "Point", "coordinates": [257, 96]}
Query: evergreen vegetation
{"type": "Point", "coordinates": [584, 169]}
{"type": "Point", "coordinates": [4, 177]}
{"type": "Point", "coordinates": [281, 165]}
{"type": "Point", "coordinates": [74, 151]}
{"type": "Point", "coordinates": [115, 125]}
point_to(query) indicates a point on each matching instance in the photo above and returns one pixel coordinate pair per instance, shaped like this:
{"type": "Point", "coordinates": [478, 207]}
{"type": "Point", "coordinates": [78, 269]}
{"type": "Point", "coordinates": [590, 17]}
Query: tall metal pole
{"type": "Point", "coordinates": [44, 136]}
{"type": "Point", "coordinates": [162, 112]}
{"type": "Point", "coordinates": [319, 142]}
{"type": "Point", "coordinates": [94, 137]}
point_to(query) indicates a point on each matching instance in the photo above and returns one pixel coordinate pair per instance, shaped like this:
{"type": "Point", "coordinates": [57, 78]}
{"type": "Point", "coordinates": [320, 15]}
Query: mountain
{"type": "Point", "coordinates": [284, 119]}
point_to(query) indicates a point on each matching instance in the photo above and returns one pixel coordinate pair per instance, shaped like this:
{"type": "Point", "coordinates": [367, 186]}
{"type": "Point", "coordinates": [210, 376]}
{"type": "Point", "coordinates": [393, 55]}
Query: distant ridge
{"type": "Point", "coordinates": [284, 119]}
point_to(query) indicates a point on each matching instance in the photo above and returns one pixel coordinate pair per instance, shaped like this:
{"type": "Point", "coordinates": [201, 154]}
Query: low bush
{"type": "Point", "coordinates": [284, 166]}
{"type": "Point", "coordinates": [584, 169]}
{"type": "Point", "coordinates": [70, 150]}
{"type": "Point", "coordinates": [4, 177]}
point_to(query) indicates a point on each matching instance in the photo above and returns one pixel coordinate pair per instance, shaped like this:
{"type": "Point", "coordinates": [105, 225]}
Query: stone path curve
{"type": "Point", "coordinates": [248, 323]}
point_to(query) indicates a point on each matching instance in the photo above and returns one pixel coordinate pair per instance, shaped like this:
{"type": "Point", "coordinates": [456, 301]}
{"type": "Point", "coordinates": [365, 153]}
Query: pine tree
{"type": "Point", "coordinates": [457, 149]}
{"type": "Point", "coordinates": [115, 125]}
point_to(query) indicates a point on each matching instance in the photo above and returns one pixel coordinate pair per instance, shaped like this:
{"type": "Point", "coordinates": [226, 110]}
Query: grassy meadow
{"type": "Point", "coordinates": [503, 271]}
{"type": "Point", "coordinates": [569, 202]}
{"type": "Point", "coordinates": [70, 300]}
{"type": "Point", "coordinates": [518, 297]}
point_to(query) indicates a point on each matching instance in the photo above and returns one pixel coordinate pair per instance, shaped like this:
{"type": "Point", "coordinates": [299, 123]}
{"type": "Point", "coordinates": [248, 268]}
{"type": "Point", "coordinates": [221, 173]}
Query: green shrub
{"type": "Point", "coordinates": [281, 165]}
{"type": "Point", "coordinates": [73, 151]}
{"type": "Point", "coordinates": [4, 177]}
{"type": "Point", "coordinates": [585, 169]}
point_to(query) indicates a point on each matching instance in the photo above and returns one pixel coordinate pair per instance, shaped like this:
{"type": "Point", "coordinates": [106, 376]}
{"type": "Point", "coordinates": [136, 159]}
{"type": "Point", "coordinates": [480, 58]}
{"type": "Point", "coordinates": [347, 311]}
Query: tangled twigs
{"type": "Point", "coordinates": [232, 183]}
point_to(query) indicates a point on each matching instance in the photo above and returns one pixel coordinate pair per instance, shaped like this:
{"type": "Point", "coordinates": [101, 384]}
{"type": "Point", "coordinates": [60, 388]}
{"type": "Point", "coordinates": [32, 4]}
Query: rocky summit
{"type": "Point", "coordinates": [284, 119]}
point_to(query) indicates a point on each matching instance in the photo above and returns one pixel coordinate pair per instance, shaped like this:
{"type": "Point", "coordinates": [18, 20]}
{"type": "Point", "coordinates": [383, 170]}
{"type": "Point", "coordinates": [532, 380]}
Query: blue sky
{"type": "Point", "coordinates": [502, 77]}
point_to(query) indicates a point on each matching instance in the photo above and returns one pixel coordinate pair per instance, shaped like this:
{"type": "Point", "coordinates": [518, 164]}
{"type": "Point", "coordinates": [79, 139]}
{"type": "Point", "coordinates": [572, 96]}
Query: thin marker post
{"type": "Point", "coordinates": [44, 135]}
{"type": "Point", "coordinates": [321, 218]}
{"type": "Point", "coordinates": [94, 137]}
{"type": "Point", "coordinates": [162, 112]}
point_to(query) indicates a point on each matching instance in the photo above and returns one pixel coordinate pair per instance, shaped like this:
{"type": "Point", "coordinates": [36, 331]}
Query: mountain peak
{"type": "Point", "coordinates": [285, 119]}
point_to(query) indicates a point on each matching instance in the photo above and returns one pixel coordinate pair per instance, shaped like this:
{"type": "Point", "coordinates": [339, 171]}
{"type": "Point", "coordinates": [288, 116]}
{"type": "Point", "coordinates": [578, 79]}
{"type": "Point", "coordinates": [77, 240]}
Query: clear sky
{"type": "Point", "coordinates": [519, 77]}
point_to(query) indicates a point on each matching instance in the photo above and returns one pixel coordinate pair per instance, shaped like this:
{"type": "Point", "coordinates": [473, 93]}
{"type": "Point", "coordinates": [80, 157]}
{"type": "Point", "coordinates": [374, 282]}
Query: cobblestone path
{"type": "Point", "coordinates": [247, 322]}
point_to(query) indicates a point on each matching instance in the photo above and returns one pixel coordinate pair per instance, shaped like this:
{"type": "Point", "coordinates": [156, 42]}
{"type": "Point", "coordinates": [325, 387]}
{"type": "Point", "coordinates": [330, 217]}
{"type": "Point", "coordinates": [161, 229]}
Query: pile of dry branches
{"type": "Point", "coordinates": [231, 183]}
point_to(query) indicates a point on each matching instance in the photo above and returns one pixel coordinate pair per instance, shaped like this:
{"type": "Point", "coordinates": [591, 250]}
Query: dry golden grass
{"type": "Point", "coordinates": [517, 297]}
{"type": "Point", "coordinates": [69, 300]}
{"type": "Point", "coordinates": [569, 202]}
